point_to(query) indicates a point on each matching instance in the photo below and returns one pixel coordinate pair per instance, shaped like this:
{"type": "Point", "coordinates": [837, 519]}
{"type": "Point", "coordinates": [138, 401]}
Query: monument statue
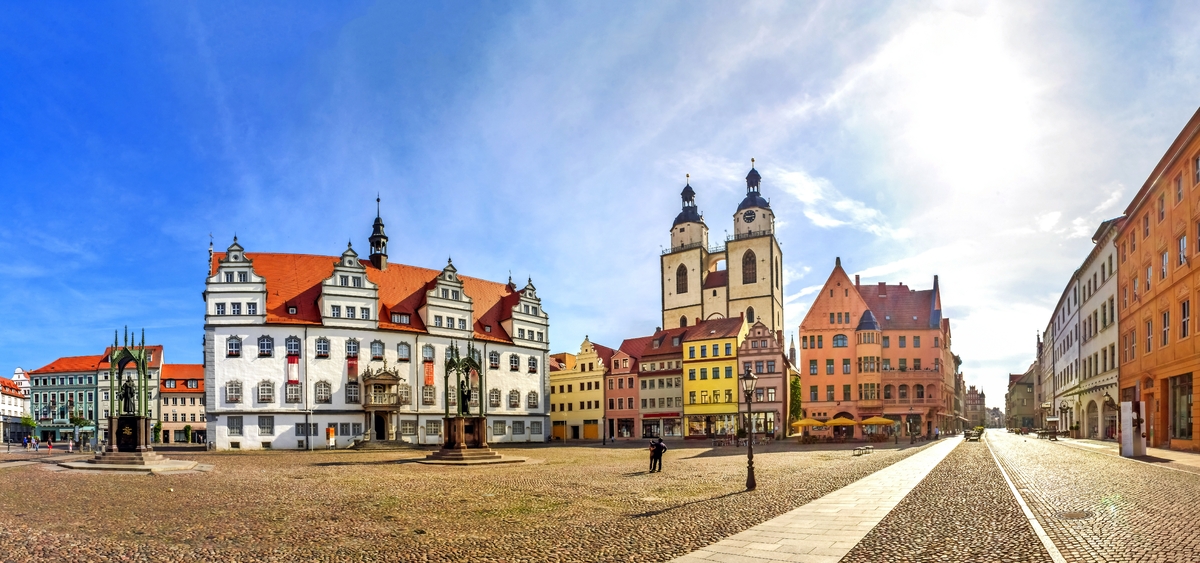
{"type": "Point", "coordinates": [127, 394]}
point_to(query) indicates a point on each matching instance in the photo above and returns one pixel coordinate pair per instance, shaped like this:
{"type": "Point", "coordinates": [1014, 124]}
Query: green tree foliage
{"type": "Point", "coordinates": [157, 432]}
{"type": "Point", "coordinates": [794, 412]}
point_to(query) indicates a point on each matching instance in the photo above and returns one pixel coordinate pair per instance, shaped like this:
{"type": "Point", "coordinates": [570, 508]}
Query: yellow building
{"type": "Point", "coordinates": [711, 391]}
{"type": "Point", "coordinates": [577, 393]}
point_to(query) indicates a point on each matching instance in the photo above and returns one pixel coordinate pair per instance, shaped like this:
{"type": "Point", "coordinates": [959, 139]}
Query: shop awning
{"type": "Point", "coordinates": [661, 415]}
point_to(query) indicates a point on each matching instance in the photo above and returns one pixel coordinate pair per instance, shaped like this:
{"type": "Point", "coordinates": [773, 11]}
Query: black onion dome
{"type": "Point", "coordinates": [754, 200]}
{"type": "Point", "coordinates": [867, 322]}
{"type": "Point", "coordinates": [753, 179]}
{"type": "Point", "coordinates": [688, 194]}
{"type": "Point", "coordinates": [688, 215]}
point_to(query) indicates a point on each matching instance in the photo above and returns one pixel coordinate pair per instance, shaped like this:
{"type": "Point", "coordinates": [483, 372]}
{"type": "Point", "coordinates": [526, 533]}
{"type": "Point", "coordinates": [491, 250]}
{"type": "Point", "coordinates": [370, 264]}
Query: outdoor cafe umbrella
{"type": "Point", "coordinates": [806, 422]}
{"type": "Point", "coordinates": [879, 420]}
{"type": "Point", "coordinates": [840, 422]}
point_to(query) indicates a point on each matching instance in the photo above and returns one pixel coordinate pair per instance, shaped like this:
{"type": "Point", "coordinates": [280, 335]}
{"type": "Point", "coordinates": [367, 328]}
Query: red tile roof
{"type": "Point", "coordinates": [9, 387]}
{"type": "Point", "coordinates": [714, 328]}
{"type": "Point", "coordinates": [633, 347]}
{"type": "Point", "coordinates": [902, 308]}
{"type": "Point", "coordinates": [604, 353]}
{"type": "Point", "coordinates": [664, 339]}
{"type": "Point", "coordinates": [294, 280]}
{"type": "Point", "coordinates": [182, 372]}
{"type": "Point", "coordinates": [70, 364]}
{"type": "Point", "coordinates": [155, 351]}
{"type": "Point", "coordinates": [719, 278]}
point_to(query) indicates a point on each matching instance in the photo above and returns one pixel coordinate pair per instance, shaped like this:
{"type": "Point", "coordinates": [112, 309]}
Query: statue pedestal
{"type": "Point", "coordinates": [466, 444]}
{"type": "Point", "coordinates": [129, 433]}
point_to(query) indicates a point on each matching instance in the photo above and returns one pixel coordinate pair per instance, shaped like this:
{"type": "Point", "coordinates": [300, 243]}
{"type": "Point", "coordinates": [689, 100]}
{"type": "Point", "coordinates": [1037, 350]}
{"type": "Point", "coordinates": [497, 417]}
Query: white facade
{"type": "Point", "coordinates": [22, 380]}
{"type": "Point", "coordinates": [1066, 353]}
{"type": "Point", "coordinates": [1094, 403]}
{"type": "Point", "coordinates": [249, 351]}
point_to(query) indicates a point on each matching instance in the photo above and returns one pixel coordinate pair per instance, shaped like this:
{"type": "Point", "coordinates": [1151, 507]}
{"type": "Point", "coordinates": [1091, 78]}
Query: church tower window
{"type": "Point", "coordinates": [682, 321]}
{"type": "Point", "coordinates": [749, 314]}
{"type": "Point", "coordinates": [749, 268]}
{"type": "Point", "coordinates": [681, 279]}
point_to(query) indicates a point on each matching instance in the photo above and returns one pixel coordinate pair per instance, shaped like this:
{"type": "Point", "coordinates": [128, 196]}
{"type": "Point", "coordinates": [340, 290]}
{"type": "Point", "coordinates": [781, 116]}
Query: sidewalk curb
{"type": "Point", "coordinates": [1052, 549]}
{"type": "Point", "coordinates": [1118, 456]}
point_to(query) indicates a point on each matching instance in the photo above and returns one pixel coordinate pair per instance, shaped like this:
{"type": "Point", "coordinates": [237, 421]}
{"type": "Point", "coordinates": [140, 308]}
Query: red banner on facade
{"type": "Point", "coordinates": [293, 369]}
{"type": "Point", "coordinates": [428, 373]}
{"type": "Point", "coordinates": [352, 368]}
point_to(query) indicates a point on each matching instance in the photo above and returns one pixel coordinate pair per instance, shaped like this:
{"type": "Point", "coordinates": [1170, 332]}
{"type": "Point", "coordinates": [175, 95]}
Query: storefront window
{"type": "Point", "coordinates": [1181, 407]}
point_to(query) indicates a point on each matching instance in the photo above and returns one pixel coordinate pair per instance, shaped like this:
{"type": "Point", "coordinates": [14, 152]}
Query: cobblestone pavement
{"type": "Point", "coordinates": [1131, 511]}
{"type": "Point", "coordinates": [567, 504]}
{"type": "Point", "coordinates": [963, 511]}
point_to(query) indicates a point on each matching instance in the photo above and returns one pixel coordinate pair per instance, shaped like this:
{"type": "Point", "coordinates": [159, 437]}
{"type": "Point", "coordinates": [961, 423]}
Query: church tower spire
{"type": "Point", "coordinates": [378, 240]}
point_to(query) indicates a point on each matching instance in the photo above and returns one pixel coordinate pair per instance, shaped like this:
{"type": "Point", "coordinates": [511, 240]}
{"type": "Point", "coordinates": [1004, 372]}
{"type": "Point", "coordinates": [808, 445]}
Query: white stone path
{"type": "Point", "coordinates": [826, 529]}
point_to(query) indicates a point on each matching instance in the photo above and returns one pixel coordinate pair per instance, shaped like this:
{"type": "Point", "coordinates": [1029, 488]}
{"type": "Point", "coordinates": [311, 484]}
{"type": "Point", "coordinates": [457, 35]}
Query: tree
{"type": "Point", "coordinates": [957, 362]}
{"type": "Point", "coordinates": [157, 431]}
{"type": "Point", "coordinates": [794, 411]}
{"type": "Point", "coordinates": [187, 433]}
{"type": "Point", "coordinates": [28, 422]}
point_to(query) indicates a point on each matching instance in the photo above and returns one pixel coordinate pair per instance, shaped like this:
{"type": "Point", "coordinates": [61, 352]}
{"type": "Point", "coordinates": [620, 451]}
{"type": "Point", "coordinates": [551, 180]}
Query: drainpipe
{"type": "Point", "coordinates": [307, 408]}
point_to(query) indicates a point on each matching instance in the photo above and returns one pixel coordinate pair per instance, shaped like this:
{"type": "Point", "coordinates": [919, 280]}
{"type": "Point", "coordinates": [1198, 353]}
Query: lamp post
{"type": "Point", "coordinates": [912, 433]}
{"type": "Point", "coordinates": [748, 382]}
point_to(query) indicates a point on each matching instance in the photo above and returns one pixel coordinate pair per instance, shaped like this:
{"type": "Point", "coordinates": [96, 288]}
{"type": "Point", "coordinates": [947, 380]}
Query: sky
{"type": "Point", "coordinates": [981, 142]}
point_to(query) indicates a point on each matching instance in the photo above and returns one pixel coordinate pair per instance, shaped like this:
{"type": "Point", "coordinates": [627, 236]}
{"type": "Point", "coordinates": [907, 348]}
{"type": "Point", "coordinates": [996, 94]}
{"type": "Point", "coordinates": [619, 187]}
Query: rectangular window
{"type": "Point", "coordinates": [266, 426]}
{"type": "Point", "coordinates": [828, 367]}
{"type": "Point", "coordinates": [728, 349]}
{"type": "Point", "coordinates": [1162, 208]}
{"type": "Point", "coordinates": [902, 341]}
{"type": "Point", "coordinates": [812, 393]}
{"type": "Point", "coordinates": [812, 367]}
{"type": "Point", "coordinates": [770, 394]}
{"type": "Point", "coordinates": [409, 427]}
{"type": "Point", "coordinates": [770, 366]}
{"type": "Point", "coordinates": [692, 374]}
{"type": "Point", "coordinates": [1163, 270]}
{"type": "Point", "coordinates": [829, 393]}
{"type": "Point", "coordinates": [220, 308]}
{"type": "Point", "coordinates": [728, 395]}
{"type": "Point", "coordinates": [703, 373]}
{"type": "Point", "coordinates": [228, 277]}
{"type": "Point", "coordinates": [335, 311]}
{"type": "Point", "coordinates": [845, 365]}
{"type": "Point", "coordinates": [643, 403]}
{"type": "Point", "coordinates": [1182, 250]}
{"type": "Point", "coordinates": [830, 318]}
{"type": "Point", "coordinates": [234, 423]}
{"type": "Point", "coordinates": [728, 372]}
{"type": "Point", "coordinates": [916, 342]}
{"type": "Point", "coordinates": [691, 352]}
{"type": "Point", "coordinates": [1166, 327]}
{"type": "Point", "coordinates": [820, 341]}
{"type": "Point", "coordinates": [357, 281]}
{"type": "Point", "coordinates": [704, 351]}
{"type": "Point", "coordinates": [692, 397]}
{"type": "Point", "coordinates": [916, 363]}
{"type": "Point", "coordinates": [846, 392]}
{"type": "Point", "coordinates": [252, 308]}
{"type": "Point", "coordinates": [344, 280]}
{"type": "Point", "coordinates": [1185, 318]}
{"type": "Point", "coordinates": [887, 364]}
{"type": "Point", "coordinates": [1181, 407]}
{"type": "Point", "coordinates": [887, 342]}
{"type": "Point", "coordinates": [758, 367]}
{"type": "Point", "coordinates": [903, 364]}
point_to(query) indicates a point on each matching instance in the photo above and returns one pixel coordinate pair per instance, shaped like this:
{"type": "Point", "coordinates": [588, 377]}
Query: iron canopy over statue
{"type": "Point", "coordinates": [129, 423]}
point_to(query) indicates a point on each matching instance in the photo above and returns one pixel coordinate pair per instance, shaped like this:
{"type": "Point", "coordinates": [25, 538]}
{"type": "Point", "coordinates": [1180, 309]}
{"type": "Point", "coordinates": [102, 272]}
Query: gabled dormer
{"type": "Point", "coordinates": [527, 324]}
{"type": "Point", "coordinates": [234, 294]}
{"type": "Point", "coordinates": [448, 310]}
{"type": "Point", "coordinates": [348, 297]}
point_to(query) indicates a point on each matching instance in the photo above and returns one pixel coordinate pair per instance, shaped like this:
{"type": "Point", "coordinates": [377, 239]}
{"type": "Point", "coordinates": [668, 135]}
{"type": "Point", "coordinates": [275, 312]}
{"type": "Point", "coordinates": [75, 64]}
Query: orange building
{"type": "Point", "coordinates": [1157, 243]}
{"type": "Point", "coordinates": [877, 350]}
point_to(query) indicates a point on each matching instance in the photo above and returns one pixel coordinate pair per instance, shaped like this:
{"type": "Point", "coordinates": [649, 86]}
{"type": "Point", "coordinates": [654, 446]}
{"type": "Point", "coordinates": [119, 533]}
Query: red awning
{"type": "Point", "coordinates": [661, 415]}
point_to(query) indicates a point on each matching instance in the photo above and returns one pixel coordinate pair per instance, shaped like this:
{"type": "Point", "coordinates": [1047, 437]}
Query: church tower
{"type": "Point", "coordinates": [684, 264]}
{"type": "Point", "coordinates": [378, 240]}
{"type": "Point", "coordinates": [754, 260]}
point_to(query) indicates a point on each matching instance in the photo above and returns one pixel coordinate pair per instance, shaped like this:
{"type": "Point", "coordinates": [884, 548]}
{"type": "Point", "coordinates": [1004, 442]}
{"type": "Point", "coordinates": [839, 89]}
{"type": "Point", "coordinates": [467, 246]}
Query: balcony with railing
{"type": "Point", "coordinates": [749, 234]}
{"type": "Point", "coordinates": [910, 401]}
{"type": "Point", "coordinates": [382, 400]}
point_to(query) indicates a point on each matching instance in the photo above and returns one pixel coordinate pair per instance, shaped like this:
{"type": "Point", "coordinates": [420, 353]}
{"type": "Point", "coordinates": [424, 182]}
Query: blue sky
{"type": "Point", "coordinates": [979, 141]}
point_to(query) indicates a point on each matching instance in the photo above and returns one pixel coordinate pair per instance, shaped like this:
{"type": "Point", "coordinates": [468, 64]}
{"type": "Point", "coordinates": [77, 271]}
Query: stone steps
{"type": "Point", "coordinates": [471, 456]}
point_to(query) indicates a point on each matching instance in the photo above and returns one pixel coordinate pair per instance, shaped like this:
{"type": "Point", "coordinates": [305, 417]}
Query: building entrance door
{"type": "Point", "coordinates": [574, 432]}
{"type": "Point", "coordinates": [380, 427]}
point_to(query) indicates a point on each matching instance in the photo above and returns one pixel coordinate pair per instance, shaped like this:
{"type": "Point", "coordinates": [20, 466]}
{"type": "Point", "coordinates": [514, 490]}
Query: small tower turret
{"type": "Point", "coordinates": [378, 240]}
{"type": "Point", "coordinates": [754, 214]}
{"type": "Point", "coordinates": [689, 227]}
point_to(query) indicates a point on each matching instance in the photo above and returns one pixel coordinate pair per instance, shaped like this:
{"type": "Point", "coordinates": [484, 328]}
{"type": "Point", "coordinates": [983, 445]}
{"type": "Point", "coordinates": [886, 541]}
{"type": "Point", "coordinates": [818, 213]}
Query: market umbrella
{"type": "Point", "coordinates": [840, 422]}
{"type": "Point", "coordinates": [878, 420]}
{"type": "Point", "coordinates": [807, 422]}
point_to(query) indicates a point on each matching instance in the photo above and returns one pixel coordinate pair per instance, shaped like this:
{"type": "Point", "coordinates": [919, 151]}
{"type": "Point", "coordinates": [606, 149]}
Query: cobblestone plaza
{"type": "Point", "coordinates": [947, 500]}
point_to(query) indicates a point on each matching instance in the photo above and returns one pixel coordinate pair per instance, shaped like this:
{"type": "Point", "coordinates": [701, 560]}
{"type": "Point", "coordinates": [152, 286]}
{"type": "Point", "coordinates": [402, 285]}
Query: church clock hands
{"type": "Point", "coordinates": [748, 216]}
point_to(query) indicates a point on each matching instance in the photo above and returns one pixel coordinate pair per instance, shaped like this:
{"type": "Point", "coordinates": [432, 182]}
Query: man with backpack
{"type": "Point", "coordinates": [657, 448]}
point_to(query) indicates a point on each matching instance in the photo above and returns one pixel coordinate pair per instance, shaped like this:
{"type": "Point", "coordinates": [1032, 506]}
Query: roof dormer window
{"type": "Point", "coordinates": [454, 295]}
{"type": "Point", "coordinates": [445, 294]}
{"type": "Point", "coordinates": [291, 310]}
{"type": "Point", "coordinates": [487, 328]}
{"type": "Point", "coordinates": [243, 277]}
{"type": "Point", "coordinates": [228, 277]}
{"type": "Point", "coordinates": [357, 281]}
{"type": "Point", "coordinates": [344, 280]}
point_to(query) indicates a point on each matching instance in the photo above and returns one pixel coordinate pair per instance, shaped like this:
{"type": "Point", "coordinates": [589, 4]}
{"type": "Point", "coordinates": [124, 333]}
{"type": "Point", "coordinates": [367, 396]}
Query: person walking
{"type": "Point", "coordinates": [35, 444]}
{"type": "Point", "coordinates": [50, 444]}
{"type": "Point", "coordinates": [657, 448]}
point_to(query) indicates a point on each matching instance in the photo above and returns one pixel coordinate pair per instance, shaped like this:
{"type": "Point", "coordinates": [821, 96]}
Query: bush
{"type": "Point", "coordinates": [187, 433]}
{"type": "Point", "coordinates": [157, 432]}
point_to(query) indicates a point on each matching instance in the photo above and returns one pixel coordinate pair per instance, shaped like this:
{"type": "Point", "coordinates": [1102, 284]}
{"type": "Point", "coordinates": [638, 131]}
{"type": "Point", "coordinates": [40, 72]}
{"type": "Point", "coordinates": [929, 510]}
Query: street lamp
{"type": "Point", "coordinates": [748, 382]}
{"type": "Point", "coordinates": [912, 433]}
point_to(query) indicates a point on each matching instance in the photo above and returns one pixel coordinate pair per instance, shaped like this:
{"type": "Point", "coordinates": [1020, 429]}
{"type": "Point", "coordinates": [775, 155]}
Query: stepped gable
{"type": "Point", "coordinates": [902, 308]}
{"type": "Point", "coordinates": [70, 364]}
{"type": "Point", "coordinates": [294, 280]}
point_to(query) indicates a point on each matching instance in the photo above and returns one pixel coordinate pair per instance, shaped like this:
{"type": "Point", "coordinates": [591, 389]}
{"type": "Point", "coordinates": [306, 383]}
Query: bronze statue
{"type": "Point", "coordinates": [126, 394]}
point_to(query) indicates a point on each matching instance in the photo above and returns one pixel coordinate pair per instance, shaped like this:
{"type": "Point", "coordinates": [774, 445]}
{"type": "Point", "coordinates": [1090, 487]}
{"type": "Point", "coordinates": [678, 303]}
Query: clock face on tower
{"type": "Point", "coordinates": [748, 216]}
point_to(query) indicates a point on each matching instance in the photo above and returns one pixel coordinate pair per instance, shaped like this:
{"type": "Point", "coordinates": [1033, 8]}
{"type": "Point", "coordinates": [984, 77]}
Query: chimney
{"type": "Point", "coordinates": [658, 329]}
{"type": "Point", "coordinates": [697, 320]}
{"type": "Point", "coordinates": [742, 315]}
{"type": "Point", "coordinates": [855, 281]}
{"type": "Point", "coordinates": [883, 289]}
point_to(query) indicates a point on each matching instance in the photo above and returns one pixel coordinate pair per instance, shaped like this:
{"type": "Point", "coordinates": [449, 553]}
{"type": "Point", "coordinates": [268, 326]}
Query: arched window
{"type": "Point", "coordinates": [888, 392]}
{"type": "Point", "coordinates": [919, 391]}
{"type": "Point", "coordinates": [839, 341]}
{"type": "Point", "coordinates": [427, 353]}
{"type": "Point", "coordinates": [266, 392]}
{"type": "Point", "coordinates": [514, 399]}
{"type": "Point", "coordinates": [233, 347]}
{"type": "Point", "coordinates": [681, 279]}
{"type": "Point", "coordinates": [749, 314]}
{"type": "Point", "coordinates": [324, 392]}
{"type": "Point", "coordinates": [494, 359]}
{"type": "Point", "coordinates": [351, 348]}
{"type": "Point", "coordinates": [494, 398]}
{"type": "Point", "coordinates": [322, 347]}
{"type": "Point", "coordinates": [403, 351]}
{"type": "Point", "coordinates": [903, 391]}
{"type": "Point", "coordinates": [514, 362]}
{"type": "Point", "coordinates": [233, 391]}
{"type": "Point", "coordinates": [683, 321]}
{"type": "Point", "coordinates": [266, 346]}
{"type": "Point", "coordinates": [749, 267]}
{"type": "Point", "coordinates": [531, 400]}
{"type": "Point", "coordinates": [293, 346]}
{"type": "Point", "coordinates": [532, 364]}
